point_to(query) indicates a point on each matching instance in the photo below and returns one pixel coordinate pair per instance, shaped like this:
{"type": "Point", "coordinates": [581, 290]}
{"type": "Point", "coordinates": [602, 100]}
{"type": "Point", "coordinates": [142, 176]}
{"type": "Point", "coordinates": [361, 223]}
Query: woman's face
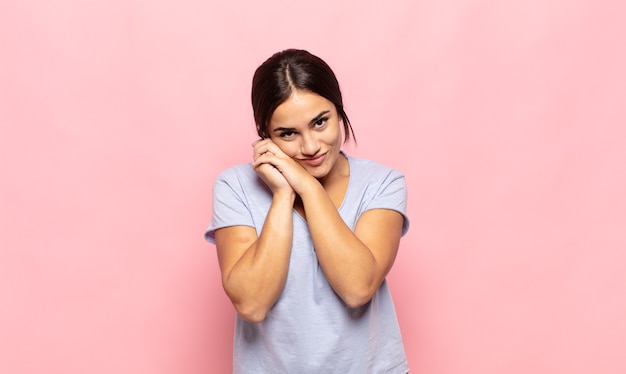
{"type": "Point", "coordinates": [306, 127]}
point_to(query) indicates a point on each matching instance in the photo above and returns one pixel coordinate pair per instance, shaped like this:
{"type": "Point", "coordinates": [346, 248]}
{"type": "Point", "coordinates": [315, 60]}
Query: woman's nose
{"type": "Point", "coordinates": [310, 145]}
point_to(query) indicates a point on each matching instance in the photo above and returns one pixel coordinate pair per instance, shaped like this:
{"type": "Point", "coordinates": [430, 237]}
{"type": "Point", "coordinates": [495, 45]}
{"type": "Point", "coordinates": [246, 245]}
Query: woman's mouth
{"type": "Point", "coordinates": [314, 161]}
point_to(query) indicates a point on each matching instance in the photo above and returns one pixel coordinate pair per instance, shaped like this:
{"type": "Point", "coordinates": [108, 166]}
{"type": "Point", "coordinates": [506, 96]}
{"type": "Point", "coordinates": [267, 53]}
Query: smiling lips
{"type": "Point", "coordinates": [316, 161]}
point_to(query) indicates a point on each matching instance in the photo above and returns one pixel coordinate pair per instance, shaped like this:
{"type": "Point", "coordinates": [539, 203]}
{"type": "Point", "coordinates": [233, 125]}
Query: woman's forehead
{"type": "Point", "coordinates": [301, 106]}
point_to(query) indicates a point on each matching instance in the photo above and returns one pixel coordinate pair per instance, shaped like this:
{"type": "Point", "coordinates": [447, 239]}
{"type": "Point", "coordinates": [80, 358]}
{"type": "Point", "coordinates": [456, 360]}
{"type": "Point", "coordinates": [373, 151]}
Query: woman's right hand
{"type": "Point", "coordinates": [274, 179]}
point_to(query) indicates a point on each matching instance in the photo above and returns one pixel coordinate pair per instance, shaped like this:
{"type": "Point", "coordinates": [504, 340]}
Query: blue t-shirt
{"type": "Point", "coordinates": [310, 329]}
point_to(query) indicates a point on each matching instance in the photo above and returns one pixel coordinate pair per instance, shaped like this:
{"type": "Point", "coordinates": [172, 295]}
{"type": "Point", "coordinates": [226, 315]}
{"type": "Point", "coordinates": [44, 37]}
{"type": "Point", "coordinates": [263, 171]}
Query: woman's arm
{"type": "Point", "coordinates": [355, 263]}
{"type": "Point", "coordinates": [254, 269]}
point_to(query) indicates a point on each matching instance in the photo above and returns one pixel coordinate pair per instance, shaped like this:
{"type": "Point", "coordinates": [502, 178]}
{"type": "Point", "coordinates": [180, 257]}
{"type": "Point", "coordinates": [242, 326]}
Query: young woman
{"type": "Point", "coordinates": [306, 234]}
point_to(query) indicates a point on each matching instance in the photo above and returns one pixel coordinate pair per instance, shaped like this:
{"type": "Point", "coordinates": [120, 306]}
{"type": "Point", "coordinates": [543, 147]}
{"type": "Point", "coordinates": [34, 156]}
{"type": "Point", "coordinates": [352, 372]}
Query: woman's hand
{"type": "Point", "coordinates": [277, 168]}
{"type": "Point", "coordinates": [267, 171]}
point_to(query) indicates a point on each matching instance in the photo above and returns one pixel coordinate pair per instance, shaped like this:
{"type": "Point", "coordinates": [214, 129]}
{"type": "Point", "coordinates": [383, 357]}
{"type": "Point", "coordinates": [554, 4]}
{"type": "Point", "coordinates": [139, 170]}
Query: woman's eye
{"type": "Point", "coordinates": [287, 134]}
{"type": "Point", "coordinates": [321, 122]}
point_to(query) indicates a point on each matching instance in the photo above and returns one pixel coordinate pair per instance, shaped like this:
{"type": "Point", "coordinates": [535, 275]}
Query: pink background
{"type": "Point", "coordinates": [508, 119]}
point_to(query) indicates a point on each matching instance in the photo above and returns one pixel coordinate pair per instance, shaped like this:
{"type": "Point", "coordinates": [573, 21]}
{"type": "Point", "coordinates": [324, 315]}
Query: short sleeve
{"type": "Point", "coordinates": [391, 194]}
{"type": "Point", "coordinates": [229, 205]}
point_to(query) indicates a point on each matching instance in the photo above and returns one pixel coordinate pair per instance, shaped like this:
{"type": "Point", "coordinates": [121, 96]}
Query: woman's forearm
{"type": "Point", "coordinates": [257, 278]}
{"type": "Point", "coordinates": [347, 262]}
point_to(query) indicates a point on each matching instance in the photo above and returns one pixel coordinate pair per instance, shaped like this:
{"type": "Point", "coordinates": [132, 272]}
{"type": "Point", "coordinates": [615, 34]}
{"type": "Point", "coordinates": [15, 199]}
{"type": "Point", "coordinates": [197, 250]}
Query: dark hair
{"type": "Point", "coordinates": [293, 69]}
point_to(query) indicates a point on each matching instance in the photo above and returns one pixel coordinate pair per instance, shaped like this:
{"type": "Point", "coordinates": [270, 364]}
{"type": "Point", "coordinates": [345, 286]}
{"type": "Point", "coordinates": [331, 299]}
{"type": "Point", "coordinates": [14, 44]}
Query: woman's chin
{"type": "Point", "coordinates": [317, 172]}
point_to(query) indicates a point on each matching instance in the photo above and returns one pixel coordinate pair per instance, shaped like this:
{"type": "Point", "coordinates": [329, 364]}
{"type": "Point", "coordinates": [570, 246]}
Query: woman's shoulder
{"type": "Point", "coordinates": [241, 175]}
{"type": "Point", "coordinates": [237, 171]}
{"type": "Point", "coordinates": [240, 179]}
{"type": "Point", "coordinates": [371, 169]}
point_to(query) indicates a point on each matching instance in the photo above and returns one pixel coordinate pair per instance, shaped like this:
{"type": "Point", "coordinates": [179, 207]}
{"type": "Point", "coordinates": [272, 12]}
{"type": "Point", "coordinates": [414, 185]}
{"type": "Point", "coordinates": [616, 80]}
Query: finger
{"type": "Point", "coordinates": [259, 153]}
{"type": "Point", "coordinates": [269, 146]}
{"type": "Point", "coordinates": [264, 158]}
{"type": "Point", "coordinates": [271, 159]}
{"type": "Point", "coordinates": [257, 150]}
{"type": "Point", "coordinates": [264, 146]}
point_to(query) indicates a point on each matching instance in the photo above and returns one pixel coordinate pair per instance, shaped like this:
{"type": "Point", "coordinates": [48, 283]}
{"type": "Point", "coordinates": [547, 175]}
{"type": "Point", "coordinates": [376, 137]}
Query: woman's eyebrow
{"type": "Point", "coordinates": [281, 129]}
{"type": "Point", "coordinates": [317, 117]}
